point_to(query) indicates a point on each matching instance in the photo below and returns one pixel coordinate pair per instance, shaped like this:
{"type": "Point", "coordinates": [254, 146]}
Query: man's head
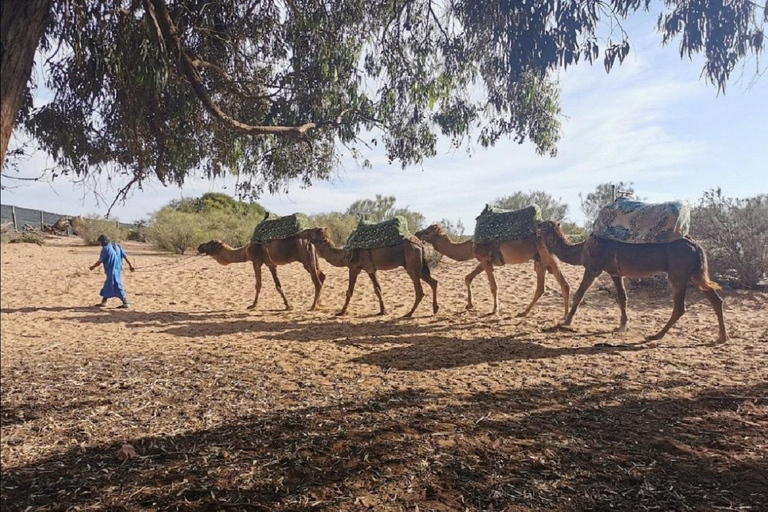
{"type": "Point", "coordinates": [103, 240]}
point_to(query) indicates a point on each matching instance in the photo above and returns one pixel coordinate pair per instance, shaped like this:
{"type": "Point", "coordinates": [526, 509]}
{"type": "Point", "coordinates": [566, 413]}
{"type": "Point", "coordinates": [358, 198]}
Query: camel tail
{"type": "Point", "coordinates": [701, 276]}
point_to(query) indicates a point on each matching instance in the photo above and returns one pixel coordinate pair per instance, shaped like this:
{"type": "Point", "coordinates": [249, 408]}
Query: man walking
{"type": "Point", "coordinates": [112, 256]}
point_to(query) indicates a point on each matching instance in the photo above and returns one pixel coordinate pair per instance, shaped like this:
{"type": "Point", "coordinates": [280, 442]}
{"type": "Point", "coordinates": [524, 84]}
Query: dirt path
{"type": "Point", "coordinates": [273, 410]}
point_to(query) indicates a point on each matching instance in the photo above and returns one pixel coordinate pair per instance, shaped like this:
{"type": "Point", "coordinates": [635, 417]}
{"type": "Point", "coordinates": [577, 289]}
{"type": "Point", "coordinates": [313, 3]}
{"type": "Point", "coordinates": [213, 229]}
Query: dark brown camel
{"type": "Point", "coordinates": [408, 254]}
{"type": "Point", "coordinates": [491, 254]}
{"type": "Point", "coordinates": [272, 254]}
{"type": "Point", "coordinates": [683, 260]}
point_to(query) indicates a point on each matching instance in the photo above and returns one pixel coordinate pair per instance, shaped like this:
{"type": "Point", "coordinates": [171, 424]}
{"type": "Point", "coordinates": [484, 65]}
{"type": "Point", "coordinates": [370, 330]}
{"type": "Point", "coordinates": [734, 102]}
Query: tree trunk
{"type": "Point", "coordinates": [22, 25]}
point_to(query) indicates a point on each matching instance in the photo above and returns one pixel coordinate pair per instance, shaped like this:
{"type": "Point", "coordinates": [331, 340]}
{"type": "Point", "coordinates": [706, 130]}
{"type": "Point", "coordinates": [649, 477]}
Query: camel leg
{"type": "Point", "coordinates": [565, 289]}
{"type": "Point", "coordinates": [377, 291]}
{"type": "Point", "coordinates": [432, 282]}
{"type": "Point", "coordinates": [279, 288]}
{"type": "Point", "coordinates": [621, 297]}
{"type": "Point", "coordinates": [416, 278]}
{"type": "Point", "coordinates": [314, 273]}
{"type": "Point", "coordinates": [717, 304]}
{"type": "Point", "coordinates": [488, 267]}
{"type": "Point", "coordinates": [541, 272]}
{"type": "Point", "coordinates": [257, 272]}
{"type": "Point", "coordinates": [468, 281]}
{"type": "Point", "coordinates": [586, 282]}
{"type": "Point", "coordinates": [353, 273]}
{"type": "Point", "coordinates": [678, 294]}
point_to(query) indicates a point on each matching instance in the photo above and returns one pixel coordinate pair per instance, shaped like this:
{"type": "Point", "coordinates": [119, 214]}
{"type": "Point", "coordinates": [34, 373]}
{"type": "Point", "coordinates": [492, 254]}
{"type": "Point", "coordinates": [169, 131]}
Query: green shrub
{"type": "Point", "coordinates": [176, 231]}
{"type": "Point", "coordinates": [90, 228]}
{"type": "Point", "coordinates": [231, 228]}
{"type": "Point", "coordinates": [339, 225]}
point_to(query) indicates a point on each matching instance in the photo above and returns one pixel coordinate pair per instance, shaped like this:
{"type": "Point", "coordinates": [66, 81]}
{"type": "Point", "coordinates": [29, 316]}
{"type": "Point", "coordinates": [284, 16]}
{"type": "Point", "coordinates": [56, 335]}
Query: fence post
{"type": "Point", "coordinates": [613, 193]}
{"type": "Point", "coordinates": [42, 220]}
{"type": "Point", "coordinates": [13, 216]}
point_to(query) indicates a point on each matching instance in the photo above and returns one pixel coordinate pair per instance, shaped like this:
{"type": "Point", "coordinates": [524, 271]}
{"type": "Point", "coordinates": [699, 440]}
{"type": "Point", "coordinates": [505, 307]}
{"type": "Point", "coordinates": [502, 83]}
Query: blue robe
{"type": "Point", "coordinates": [112, 258]}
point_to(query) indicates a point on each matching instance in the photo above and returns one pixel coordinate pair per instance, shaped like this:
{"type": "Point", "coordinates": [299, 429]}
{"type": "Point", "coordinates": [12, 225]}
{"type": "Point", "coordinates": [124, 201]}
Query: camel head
{"type": "Point", "coordinates": [549, 231]}
{"type": "Point", "coordinates": [316, 235]}
{"type": "Point", "coordinates": [210, 248]}
{"type": "Point", "coordinates": [430, 233]}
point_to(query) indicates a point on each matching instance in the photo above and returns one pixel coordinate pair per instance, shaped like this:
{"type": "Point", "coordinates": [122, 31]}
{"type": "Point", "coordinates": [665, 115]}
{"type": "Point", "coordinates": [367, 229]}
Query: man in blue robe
{"type": "Point", "coordinates": [112, 256]}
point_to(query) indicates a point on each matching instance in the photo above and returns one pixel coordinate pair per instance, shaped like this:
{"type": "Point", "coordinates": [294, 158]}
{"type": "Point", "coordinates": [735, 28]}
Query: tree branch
{"type": "Point", "coordinates": [159, 13]}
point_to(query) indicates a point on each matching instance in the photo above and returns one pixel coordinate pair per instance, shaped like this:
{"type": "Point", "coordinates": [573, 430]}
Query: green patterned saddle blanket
{"type": "Point", "coordinates": [370, 235]}
{"type": "Point", "coordinates": [497, 224]}
{"type": "Point", "coordinates": [276, 228]}
{"type": "Point", "coordinates": [635, 222]}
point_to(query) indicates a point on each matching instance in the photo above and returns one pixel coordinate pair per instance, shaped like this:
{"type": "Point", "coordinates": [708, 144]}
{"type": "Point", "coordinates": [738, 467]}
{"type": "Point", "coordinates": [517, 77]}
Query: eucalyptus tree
{"type": "Point", "coordinates": [271, 89]}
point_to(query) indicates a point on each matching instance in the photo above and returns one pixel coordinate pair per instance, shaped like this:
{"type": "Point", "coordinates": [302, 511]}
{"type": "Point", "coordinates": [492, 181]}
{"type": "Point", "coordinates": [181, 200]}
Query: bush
{"type": "Point", "coordinates": [176, 231]}
{"type": "Point", "coordinates": [551, 208]}
{"type": "Point", "coordinates": [90, 228]}
{"type": "Point", "coordinates": [232, 229]}
{"type": "Point", "coordinates": [29, 237]}
{"type": "Point", "coordinates": [339, 225]}
{"type": "Point", "coordinates": [735, 234]}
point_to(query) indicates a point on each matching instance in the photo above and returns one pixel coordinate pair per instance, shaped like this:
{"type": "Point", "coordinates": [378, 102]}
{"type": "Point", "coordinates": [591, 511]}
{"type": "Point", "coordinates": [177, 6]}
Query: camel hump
{"type": "Point", "coordinates": [496, 224]}
{"type": "Point", "coordinates": [278, 228]}
{"type": "Point", "coordinates": [381, 234]}
{"type": "Point", "coordinates": [635, 222]}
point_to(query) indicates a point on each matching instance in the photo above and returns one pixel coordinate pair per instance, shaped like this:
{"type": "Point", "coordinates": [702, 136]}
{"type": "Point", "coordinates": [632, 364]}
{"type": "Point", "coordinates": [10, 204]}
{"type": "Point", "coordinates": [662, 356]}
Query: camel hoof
{"type": "Point", "coordinates": [341, 313]}
{"type": "Point", "coordinates": [522, 314]}
{"type": "Point", "coordinates": [288, 308]}
{"type": "Point", "coordinates": [621, 329]}
{"type": "Point", "coordinates": [381, 313]}
{"type": "Point", "coordinates": [252, 306]}
{"type": "Point", "coordinates": [655, 337]}
{"type": "Point", "coordinates": [470, 306]}
{"type": "Point", "coordinates": [720, 340]}
{"type": "Point", "coordinates": [435, 310]}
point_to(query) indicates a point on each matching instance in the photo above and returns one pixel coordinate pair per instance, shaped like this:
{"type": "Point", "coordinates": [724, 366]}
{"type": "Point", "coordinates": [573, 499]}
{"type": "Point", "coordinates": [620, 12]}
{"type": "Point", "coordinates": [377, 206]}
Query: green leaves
{"type": "Point", "coordinates": [400, 72]}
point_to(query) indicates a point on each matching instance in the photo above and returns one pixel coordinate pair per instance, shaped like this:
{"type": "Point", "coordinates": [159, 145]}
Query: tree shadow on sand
{"type": "Point", "coordinates": [577, 448]}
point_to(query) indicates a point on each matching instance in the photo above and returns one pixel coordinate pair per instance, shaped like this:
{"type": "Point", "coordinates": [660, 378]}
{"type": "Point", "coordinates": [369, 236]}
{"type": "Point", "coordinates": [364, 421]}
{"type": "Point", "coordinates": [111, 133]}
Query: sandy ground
{"type": "Point", "coordinates": [271, 410]}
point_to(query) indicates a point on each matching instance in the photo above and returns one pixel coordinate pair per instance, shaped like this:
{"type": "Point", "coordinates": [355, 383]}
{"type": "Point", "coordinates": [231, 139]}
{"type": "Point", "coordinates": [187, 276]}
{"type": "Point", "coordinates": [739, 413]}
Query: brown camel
{"type": "Point", "coordinates": [683, 260]}
{"type": "Point", "coordinates": [409, 254]}
{"type": "Point", "coordinates": [272, 254]}
{"type": "Point", "coordinates": [491, 254]}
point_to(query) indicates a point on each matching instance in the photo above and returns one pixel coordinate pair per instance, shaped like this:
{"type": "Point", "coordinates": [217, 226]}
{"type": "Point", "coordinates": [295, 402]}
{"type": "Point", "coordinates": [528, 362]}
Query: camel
{"type": "Point", "coordinates": [409, 254]}
{"type": "Point", "coordinates": [683, 260]}
{"type": "Point", "coordinates": [491, 254]}
{"type": "Point", "coordinates": [272, 254]}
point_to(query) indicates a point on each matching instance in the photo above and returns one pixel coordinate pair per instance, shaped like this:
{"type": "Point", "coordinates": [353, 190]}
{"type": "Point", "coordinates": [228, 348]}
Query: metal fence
{"type": "Point", "coordinates": [34, 218]}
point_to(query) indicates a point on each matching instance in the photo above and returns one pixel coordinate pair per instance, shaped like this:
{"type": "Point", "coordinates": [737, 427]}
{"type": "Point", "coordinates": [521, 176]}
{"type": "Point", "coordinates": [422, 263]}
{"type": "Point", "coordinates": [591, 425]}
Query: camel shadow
{"type": "Point", "coordinates": [430, 353]}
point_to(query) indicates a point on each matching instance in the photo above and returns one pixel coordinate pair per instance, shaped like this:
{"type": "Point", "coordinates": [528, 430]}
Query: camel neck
{"type": "Point", "coordinates": [228, 255]}
{"type": "Point", "coordinates": [456, 251]}
{"type": "Point", "coordinates": [331, 254]}
{"type": "Point", "coordinates": [566, 251]}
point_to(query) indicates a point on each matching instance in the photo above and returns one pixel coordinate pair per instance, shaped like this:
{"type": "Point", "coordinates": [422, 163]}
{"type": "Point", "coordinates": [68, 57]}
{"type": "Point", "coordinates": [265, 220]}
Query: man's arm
{"type": "Point", "coordinates": [125, 257]}
{"type": "Point", "coordinates": [95, 265]}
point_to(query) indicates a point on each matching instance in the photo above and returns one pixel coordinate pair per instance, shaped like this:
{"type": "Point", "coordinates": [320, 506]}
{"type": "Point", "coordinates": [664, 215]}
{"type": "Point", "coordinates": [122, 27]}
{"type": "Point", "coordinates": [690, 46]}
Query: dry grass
{"type": "Point", "coordinates": [272, 410]}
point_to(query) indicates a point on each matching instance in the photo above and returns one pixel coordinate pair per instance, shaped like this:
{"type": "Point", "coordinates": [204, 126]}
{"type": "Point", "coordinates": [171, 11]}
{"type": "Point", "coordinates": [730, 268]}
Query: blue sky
{"type": "Point", "coordinates": [652, 121]}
